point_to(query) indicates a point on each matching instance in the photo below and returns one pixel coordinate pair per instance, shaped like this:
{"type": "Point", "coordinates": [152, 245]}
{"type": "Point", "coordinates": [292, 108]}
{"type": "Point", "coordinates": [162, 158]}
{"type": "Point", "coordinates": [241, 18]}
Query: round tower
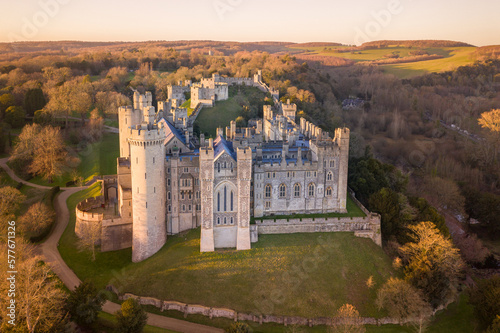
{"type": "Point", "coordinates": [147, 158]}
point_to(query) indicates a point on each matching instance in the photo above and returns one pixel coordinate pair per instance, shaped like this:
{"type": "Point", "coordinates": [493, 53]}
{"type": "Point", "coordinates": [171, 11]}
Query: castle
{"type": "Point", "coordinates": [170, 181]}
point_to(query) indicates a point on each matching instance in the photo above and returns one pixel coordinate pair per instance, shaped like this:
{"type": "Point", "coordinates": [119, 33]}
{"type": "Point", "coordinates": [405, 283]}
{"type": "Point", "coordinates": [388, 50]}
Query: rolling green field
{"type": "Point", "coordinates": [453, 58]}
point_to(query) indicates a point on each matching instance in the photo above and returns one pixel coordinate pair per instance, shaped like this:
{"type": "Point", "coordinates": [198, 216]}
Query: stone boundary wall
{"type": "Point", "coordinates": [212, 312]}
{"type": "Point", "coordinates": [366, 227]}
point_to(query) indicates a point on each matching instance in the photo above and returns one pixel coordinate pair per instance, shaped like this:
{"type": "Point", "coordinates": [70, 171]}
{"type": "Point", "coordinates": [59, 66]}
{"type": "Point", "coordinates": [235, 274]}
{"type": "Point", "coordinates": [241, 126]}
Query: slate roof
{"type": "Point", "coordinates": [171, 132]}
{"type": "Point", "coordinates": [221, 145]}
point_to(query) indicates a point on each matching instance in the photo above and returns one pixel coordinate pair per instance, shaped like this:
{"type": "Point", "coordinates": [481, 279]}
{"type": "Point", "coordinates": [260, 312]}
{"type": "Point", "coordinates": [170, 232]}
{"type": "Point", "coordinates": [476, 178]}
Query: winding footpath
{"type": "Point", "coordinates": [53, 258]}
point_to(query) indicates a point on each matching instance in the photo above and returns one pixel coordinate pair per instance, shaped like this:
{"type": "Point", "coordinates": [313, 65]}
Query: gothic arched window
{"type": "Point", "coordinates": [268, 191]}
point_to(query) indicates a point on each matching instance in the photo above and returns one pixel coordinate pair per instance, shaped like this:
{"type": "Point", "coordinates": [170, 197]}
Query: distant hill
{"type": "Point", "coordinates": [413, 43]}
{"type": "Point", "coordinates": [314, 44]}
{"type": "Point", "coordinates": [487, 52]}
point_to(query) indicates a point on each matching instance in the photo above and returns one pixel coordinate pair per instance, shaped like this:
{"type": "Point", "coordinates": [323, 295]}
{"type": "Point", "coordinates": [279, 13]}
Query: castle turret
{"type": "Point", "coordinates": [147, 158]}
{"type": "Point", "coordinates": [342, 139]}
{"type": "Point", "coordinates": [207, 193]}
{"type": "Point", "coordinates": [244, 160]}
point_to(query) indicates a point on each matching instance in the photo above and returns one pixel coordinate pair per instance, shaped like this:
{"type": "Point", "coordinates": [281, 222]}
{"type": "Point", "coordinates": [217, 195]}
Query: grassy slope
{"type": "Point", "coordinates": [330, 269]}
{"type": "Point", "coordinates": [218, 116]}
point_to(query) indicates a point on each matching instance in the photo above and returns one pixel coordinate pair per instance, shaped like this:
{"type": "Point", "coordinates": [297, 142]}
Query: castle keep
{"type": "Point", "coordinates": [170, 181]}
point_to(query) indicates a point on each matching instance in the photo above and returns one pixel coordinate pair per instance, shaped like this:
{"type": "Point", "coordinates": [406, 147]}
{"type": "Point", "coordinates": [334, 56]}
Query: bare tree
{"type": "Point", "coordinates": [405, 303]}
{"type": "Point", "coordinates": [90, 236]}
{"type": "Point", "coordinates": [36, 219]}
{"type": "Point", "coordinates": [347, 320]}
{"type": "Point", "coordinates": [39, 297]}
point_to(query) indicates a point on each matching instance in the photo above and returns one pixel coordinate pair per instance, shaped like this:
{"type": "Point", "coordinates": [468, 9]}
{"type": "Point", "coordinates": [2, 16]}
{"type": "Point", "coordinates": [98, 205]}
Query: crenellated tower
{"type": "Point", "coordinates": [147, 161]}
{"type": "Point", "coordinates": [244, 160]}
{"type": "Point", "coordinates": [342, 139]}
{"type": "Point", "coordinates": [207, 192]}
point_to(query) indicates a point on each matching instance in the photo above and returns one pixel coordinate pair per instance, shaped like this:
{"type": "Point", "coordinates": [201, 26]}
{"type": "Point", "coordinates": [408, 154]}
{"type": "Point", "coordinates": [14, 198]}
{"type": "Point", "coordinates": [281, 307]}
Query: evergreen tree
{"type": "Point", "coordinates": [131, 317]}
{"type": "Point", "coordinates": [84, 304]}
{"type": "Point", "coordinates": [34, 100]}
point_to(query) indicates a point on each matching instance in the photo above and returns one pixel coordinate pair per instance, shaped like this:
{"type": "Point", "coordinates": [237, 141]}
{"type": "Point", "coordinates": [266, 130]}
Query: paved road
{"type": "Point", "coordinates": [68, 277]}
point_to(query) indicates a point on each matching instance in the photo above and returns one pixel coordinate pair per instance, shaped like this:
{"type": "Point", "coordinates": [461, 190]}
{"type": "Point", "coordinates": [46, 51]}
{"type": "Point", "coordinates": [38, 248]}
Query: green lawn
{"type": "Point", "coordinates": [331, 269]}
{"type": "Point", "coordinates": [111, 123]}
{"type": "Point", "coordinates": [220, 115]}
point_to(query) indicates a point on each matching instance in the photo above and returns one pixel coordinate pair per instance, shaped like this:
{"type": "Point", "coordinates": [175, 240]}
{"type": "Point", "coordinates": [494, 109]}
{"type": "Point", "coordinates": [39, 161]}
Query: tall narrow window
{"type": "Point", "coordinates": [231, 200]}
{"type": "Point", "coordinates": [329, 176]}
{"type": "Point", "coordinates": [218, 201]}
{"type": "Point", "coordinates": [225, 199]}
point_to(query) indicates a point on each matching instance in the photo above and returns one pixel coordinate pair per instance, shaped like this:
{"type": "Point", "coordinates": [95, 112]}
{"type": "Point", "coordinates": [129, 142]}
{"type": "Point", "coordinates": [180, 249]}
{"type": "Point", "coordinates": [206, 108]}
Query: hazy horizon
{"type": "Point", "coordinates": [244, 21]}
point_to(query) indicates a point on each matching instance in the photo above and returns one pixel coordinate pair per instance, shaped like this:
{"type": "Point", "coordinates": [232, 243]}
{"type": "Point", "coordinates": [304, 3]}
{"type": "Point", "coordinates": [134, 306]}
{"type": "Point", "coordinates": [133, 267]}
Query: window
{"type": "Point", "coordinates": [218, 221]}
{"type": "Point", "coordinates": [225, 220]}
{"type": "Point", "coordinates": [186, 170]}
{"type": "Point", "coordinates": [197, 194]}
{"type": "Point", "coordinates": [154, 189]}
{"type": "Point", "coordinates": [268, 191]}
{"type": "Point", "coordinates": [296, 190]}
{"type": "Point", "coordinates": [183, 208]}
{"type": "Point", "coordinates": [225, 198]}
{"type": "Point", "coordinates": [328, 191]}
{"type": "Point", "coordinates": [189, 208]}
{"type": "Point", "coordinates": [268, 175]}
{"type": "Point", "coordinates": [218, 201]}
{"type": "Point", "coordinates": [168, 170]}
{"type": "Point", "coordinates": [315, 174]}
{"type": "Point", "coordinates": [169, 208]}
{"type": "Point", "coordinates": [198, 207]}
{"type": "Point", "coordinates": [329, 176]}
{"type": "Point", "coordinates": [312, 187]}
{"type": "Point", "coordinates": [308, 174]}
{"type": "Point", "coordinates": [182, 196]}
{"type": "Point", "coordinates": [231, 200]}
{"type": "Point", "coordinates": [218, 167]}
{"type": "Point", "coordinates": [274, 174]}
{"type": "Point", "coordinates": [232, 222]}
{"type": "Point", "coordinates": [332, 164]}
{"type": "Point", "coordinates": [268, 204]}
{"type": "Point", "coordinates": [168, 181]}
{"type": "Point", "coordinates": [282, 190]}
{"type": "Point", "coordinates": [168, 195]}
{"type": "Point", "coordinates": [190, 196]}
{"type": "Point", "coordinates": [153, 160]}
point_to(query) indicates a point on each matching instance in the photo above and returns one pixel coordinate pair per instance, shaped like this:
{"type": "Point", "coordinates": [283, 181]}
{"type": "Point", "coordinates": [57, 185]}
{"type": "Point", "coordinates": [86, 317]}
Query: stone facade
{"type": "Point", "coordinates": [169, 181]}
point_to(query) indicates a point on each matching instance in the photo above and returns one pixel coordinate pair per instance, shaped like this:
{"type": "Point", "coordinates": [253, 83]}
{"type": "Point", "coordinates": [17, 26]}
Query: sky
{"type": "Point", "coordinates": [346, 22]}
